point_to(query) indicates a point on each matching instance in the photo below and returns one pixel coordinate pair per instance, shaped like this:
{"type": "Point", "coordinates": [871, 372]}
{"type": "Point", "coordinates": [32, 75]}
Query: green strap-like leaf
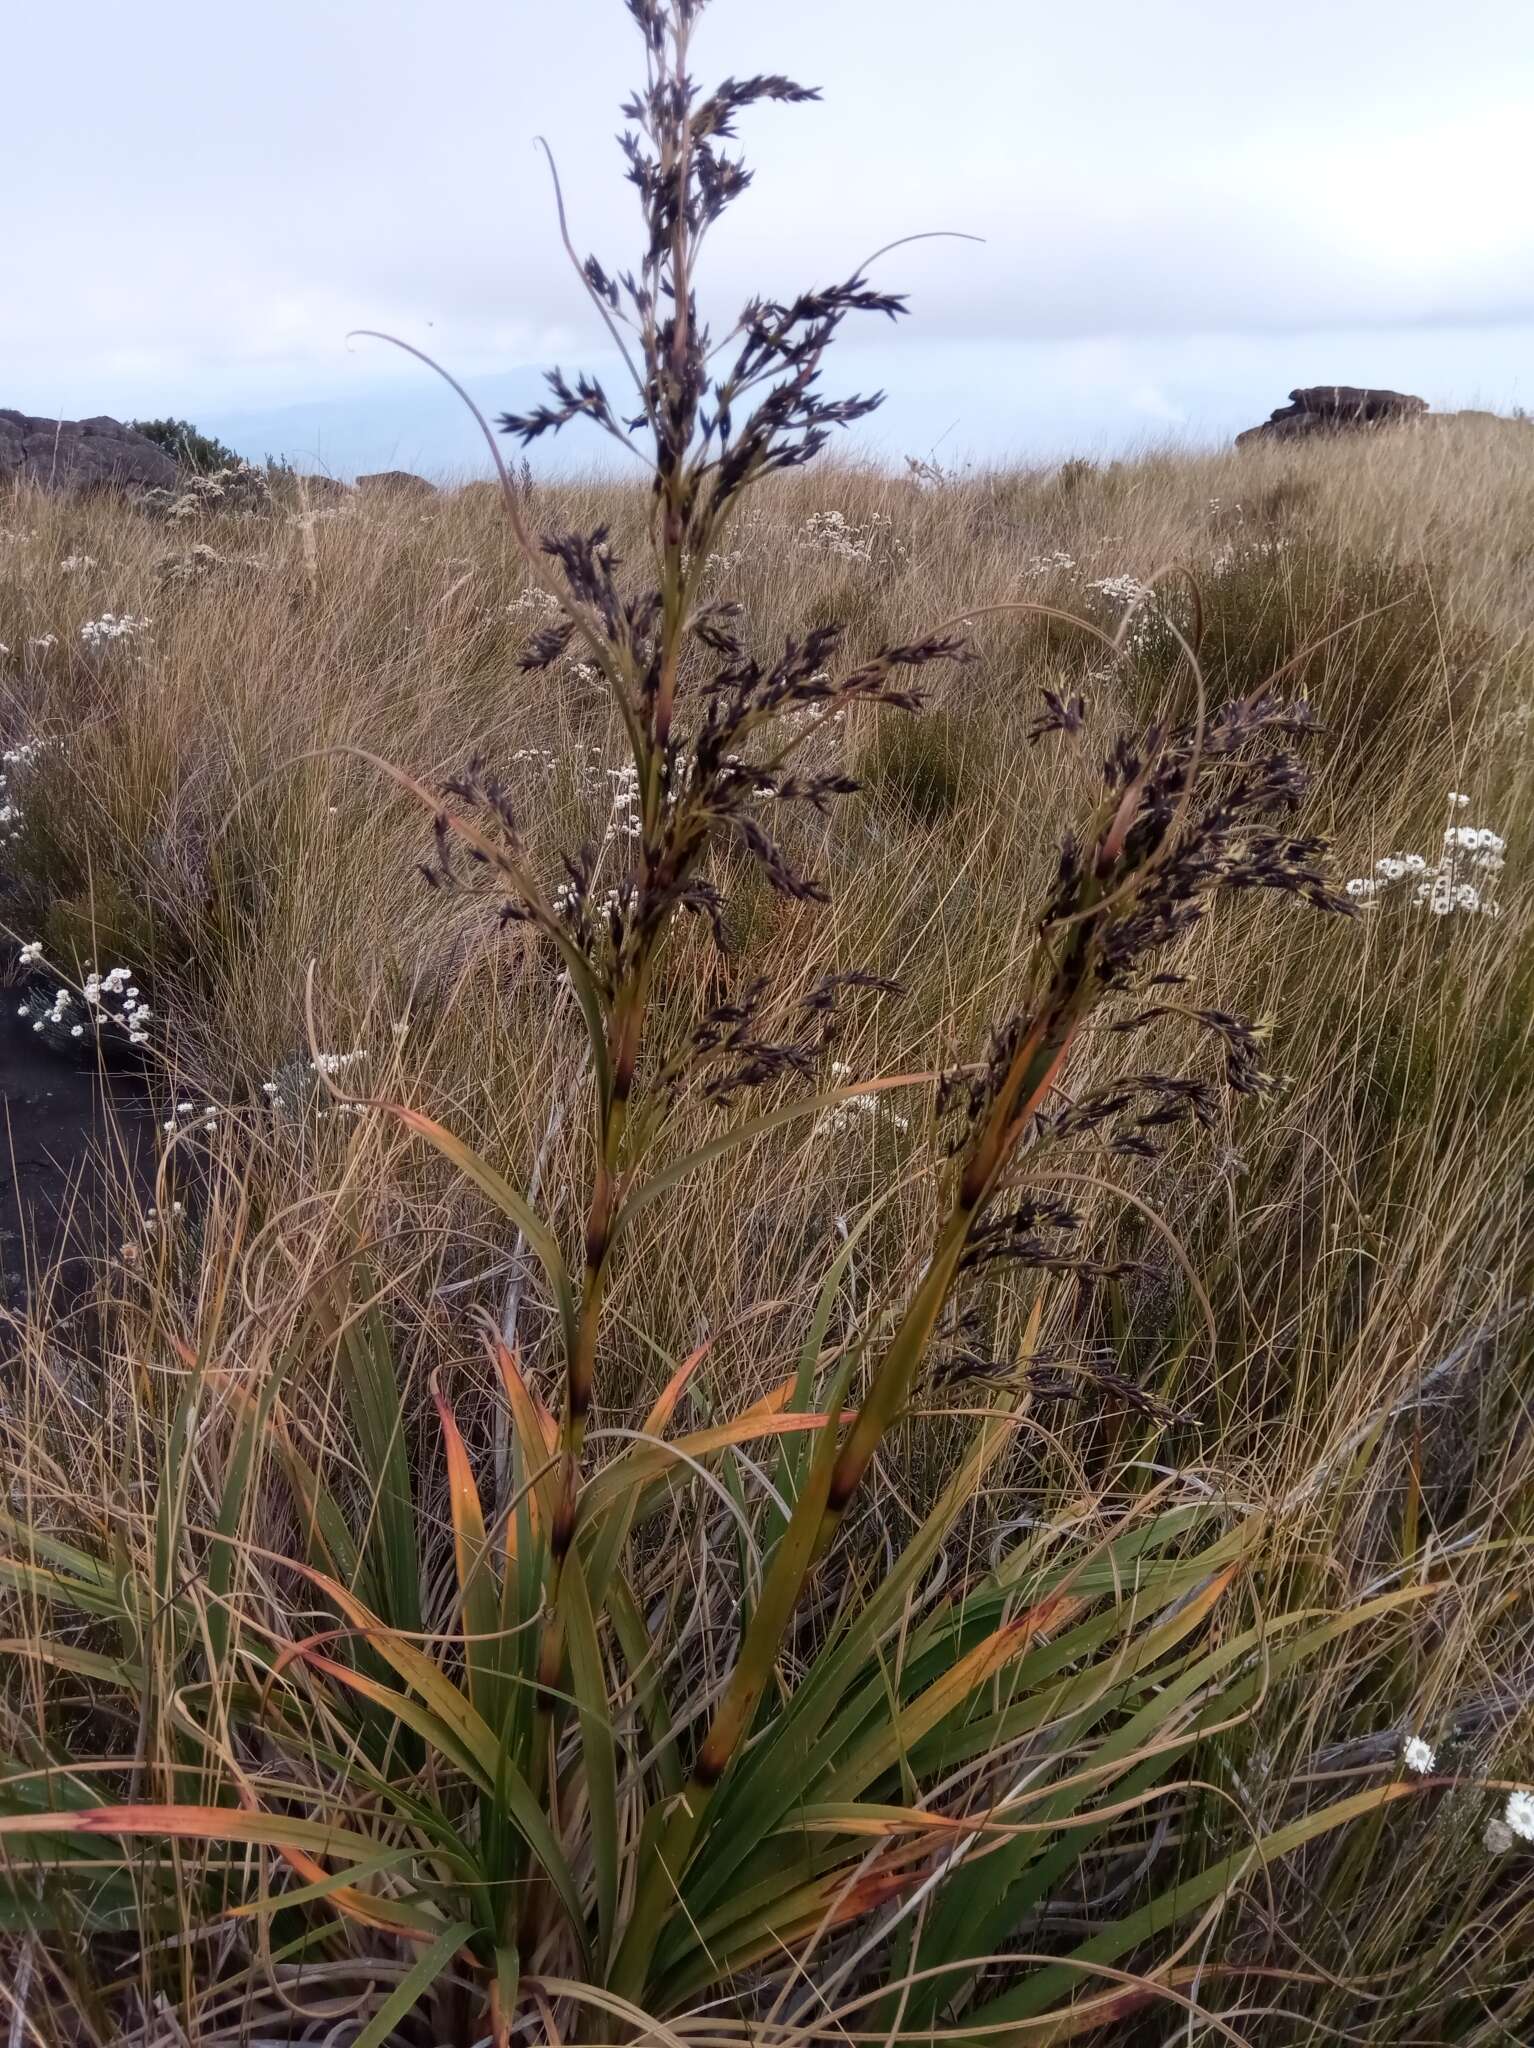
{"type": "Point", "coordinates": [589, 1682]}
{"type": "Point", "coordinates": [414, 1985]}
{"type": "Point", "coordinates": [775, 1773]}
{"type": "Point", "coordinates": [978, 1907]}
{"type": "Point", "coordinates": [1187, 1896]}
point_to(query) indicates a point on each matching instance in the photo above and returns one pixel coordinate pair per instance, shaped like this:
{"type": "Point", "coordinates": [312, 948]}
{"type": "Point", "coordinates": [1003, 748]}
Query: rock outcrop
{"type": "Point", "coordinates": [322, 489]}
{"type": "Point", "coordinates": [397, 483]}
{"type": "Point", "coordinates": [77, 455]}
{"type": "Point", "coordinates": [1333, 409]}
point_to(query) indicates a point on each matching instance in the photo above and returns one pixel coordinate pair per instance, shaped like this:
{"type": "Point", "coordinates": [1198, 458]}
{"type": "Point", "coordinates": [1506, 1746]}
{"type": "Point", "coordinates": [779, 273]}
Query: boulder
{"type": "Point", "coordinates": [1320, 409]}
{"type": "Point", "coordinates": [397, 483]}
{"type": "Point", "coordinates": [75, 455]}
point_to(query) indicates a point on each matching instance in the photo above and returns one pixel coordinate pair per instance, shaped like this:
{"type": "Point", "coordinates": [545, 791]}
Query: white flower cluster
{"type": "Point", "coordinates": [625, 811]}
{"type": "Point", "coordinates": [307, 521]}
{"type": "Point", "coordinates": [1141, 610]}
{"type": "Point", "coordinates": [833, 533]}
{"type": "Point", "coordinates": [326, 1065]}
{"type": "Point", "coordinates": [199, 561]}
{"type": "Point", "coordinates": [1125, 590]}
{"type": "Point", "coordinates": [15, 537]}
{"type": "Point", "coordinates": [12, 817]}
{"type": "Point", "coordinates": [73, 564]}
{"type": "Point", "coordinates": [856, 1110]}
{"type": "Point", "coordinates": [566, 897]}
{"type": "Point", "coordinates": [63, 1002]}
{"type": "Point", "coordinates": [1464, 878]}
{"type": "Point", "coordinates": [206, 1117]}
{"type": "Point", "coordinates": [1056, 563]}
{"type": "Point", "coordinates": [135, 1012]}
{"type": "Point", "coordinates": [97, 996]}
{"type": "Point", "coordinates": [152, 1218]}
{"type": "Point", "coordinates": [336, 1062]}
{"type": "Point", "coordinates": [112, 626]}
{"type": "Point", "coordinates": [541, 603]}
{"type": "Point", "coordinates": [41, 642]}
{"type": "Point", "coordinates": [239, 487]}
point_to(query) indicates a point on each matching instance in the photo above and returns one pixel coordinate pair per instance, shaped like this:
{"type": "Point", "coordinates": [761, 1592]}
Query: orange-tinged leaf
{"type": "Point", "coordinates": [190, 1823]}
{"type": "Point", "coordinates": [431, 1727]}
{"type": "Point", "coordinates": [810, 1912]}
{"type": "Point", "coordinates": [647, 1463]}
{"type": "Point", "coordinates": [290, 1837]}
{"type": "Point", "coordinates": [543, 1427]}
{"type": "Point", "coordinates": [382, 1914]}
{"type": "Point", "coordinates": [415, 1667]}
{"type": "Point", "coordinates": [883, 1822]}
{"type": "Point", "coordinates": [772, 1402]}
{"type": "Point", "coordinates": [671, 1392]}
{"type": "Point", "coordinates": [948, 1692]}
{"type": "Point", "coordinates": [538, 1436]}
{"type": "Point", "coordinates": [478, 1593]}
{"type": "Point", "coordinates": [463, 1492]}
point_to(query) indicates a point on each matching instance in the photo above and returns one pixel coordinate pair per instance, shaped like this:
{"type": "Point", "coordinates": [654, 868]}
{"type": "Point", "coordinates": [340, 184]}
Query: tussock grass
{"type": "Point", "coordinates": [1362, 1245]}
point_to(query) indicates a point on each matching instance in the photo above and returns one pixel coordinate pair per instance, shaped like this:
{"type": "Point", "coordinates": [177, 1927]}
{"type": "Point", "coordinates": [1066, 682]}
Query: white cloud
{"type": "Point", "coordinates": [203, 227]}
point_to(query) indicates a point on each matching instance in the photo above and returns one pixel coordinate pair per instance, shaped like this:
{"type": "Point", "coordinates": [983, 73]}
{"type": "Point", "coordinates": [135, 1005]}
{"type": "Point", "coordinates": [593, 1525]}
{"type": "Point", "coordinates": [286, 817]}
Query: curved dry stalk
{"type": "Point", "coordinates": [592, 293]}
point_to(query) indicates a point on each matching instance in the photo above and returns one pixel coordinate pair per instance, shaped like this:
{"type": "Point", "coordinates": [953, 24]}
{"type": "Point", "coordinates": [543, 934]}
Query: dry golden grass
{"type": "Point", "coordinates": [1361, 1247]}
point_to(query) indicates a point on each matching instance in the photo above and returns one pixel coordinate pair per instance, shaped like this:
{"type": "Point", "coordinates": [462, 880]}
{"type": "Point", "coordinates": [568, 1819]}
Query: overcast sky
{"type": "Point", "coordinates": [1187, 208]}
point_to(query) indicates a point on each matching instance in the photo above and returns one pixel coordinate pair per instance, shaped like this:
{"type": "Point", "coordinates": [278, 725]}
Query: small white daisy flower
{"type": "Point", "coordinates": [1518, 1815]}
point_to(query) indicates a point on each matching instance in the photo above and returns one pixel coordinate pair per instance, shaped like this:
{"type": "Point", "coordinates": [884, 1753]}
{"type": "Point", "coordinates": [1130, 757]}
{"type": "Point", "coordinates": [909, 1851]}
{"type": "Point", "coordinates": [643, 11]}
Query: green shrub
{"type": "Point", "coordinates": [201, 453]}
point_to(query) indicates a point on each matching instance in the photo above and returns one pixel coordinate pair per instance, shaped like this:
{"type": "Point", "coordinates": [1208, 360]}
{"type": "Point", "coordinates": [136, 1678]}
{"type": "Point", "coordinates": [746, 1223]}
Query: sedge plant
{"type": "Point", "coordinates": [562, 1796]}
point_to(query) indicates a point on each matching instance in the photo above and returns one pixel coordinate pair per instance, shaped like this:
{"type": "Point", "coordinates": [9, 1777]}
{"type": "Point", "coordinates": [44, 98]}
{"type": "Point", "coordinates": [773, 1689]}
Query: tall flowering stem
{"type": "Point", "coordinates": [695, 706]}
{"type": "Point", "coordinates": [1182, 819]}
{"type": "Point", "coordinates": [716, 733]}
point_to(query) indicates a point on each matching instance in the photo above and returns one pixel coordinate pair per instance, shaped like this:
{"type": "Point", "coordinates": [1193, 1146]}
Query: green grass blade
{"type": "Point", "coordinates": [414, 1985]}
{"type": "Point", "coordinates": [512, 1205]}
{"type": "Point", "coordinates": [589, 1683]}
{"type": "Point", "coordinates": [1189, 1895]}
